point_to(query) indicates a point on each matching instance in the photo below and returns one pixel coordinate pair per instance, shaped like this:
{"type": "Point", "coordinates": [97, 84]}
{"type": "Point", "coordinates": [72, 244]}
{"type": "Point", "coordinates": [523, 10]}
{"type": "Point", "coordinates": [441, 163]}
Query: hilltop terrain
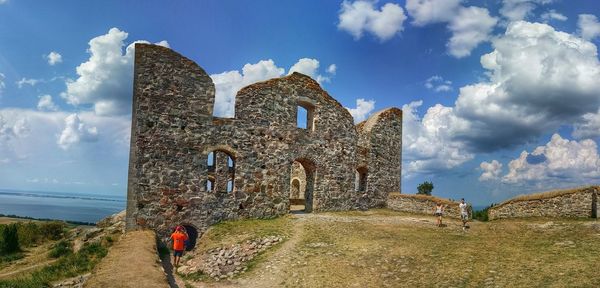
{"type": "Point", "coordinates": [376, 248]}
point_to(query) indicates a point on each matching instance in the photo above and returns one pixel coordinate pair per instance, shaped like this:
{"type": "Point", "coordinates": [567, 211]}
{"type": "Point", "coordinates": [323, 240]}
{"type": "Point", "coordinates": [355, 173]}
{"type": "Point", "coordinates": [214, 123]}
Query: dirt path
{"type": "Point", "coordinates": [131, 262]}
{"type": "Point", "coordinates": [35, 257]}
{"type": "Point", "coordinates": [279, 266]}
{"type": "Point", "coordinates": [25, 269]}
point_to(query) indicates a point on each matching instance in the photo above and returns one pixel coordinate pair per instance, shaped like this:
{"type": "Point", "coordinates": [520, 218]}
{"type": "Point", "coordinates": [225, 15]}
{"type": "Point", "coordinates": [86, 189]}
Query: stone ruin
{"type": "Point", "coordinates": [189, 167]}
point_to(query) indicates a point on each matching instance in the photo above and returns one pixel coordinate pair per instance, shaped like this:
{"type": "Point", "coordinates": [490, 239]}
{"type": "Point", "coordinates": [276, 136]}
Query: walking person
{"type": "Point", "coordinates": [179, 238]}
{"type": "Point", "coordinates": [464, 213]}
{"type": "Point", "coordinates": [439, 212]}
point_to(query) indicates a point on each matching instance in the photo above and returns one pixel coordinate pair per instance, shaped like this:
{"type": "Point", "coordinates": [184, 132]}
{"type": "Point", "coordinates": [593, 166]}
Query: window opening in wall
{"type": "Point", "coordinates": [361, 179]}
{"type": "Point", "coordinates": [221, 171]}
{"type": "Point", "coordinates": [210, 184]}
{"type": "Point", "coordinates": [302, 118]}
{"type": "Point", "coordinates": [211, 161]}
{"type": "Point", "coordinates": [229, 185]}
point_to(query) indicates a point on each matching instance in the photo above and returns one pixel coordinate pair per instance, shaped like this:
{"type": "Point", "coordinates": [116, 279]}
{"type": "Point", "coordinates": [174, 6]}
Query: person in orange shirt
{"type": "Point", "coordinates": [179, 237]}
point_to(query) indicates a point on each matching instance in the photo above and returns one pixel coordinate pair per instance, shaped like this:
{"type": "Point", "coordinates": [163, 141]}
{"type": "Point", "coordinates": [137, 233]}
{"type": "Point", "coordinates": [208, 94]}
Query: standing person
{"type": "Point", "coordinates": [179, 239]}
{"type": "Point", "coordinates": [464, 213]}
{"type": "Point", "coordinates": [439, 211]}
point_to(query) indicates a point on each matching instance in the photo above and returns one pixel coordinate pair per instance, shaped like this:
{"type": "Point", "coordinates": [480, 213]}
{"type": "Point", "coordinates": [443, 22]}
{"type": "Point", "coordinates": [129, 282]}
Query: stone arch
{"type": "Point", "coordinates": [192, 233]}
{"type": "Point", "coordinates": [310, 171]}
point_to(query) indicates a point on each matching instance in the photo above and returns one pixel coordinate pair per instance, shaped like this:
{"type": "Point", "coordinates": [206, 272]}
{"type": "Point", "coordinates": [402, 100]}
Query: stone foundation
{"type": "Point", "coordinates": [423, 204]}
{"type": "Point", "coordinates": [573, 203]}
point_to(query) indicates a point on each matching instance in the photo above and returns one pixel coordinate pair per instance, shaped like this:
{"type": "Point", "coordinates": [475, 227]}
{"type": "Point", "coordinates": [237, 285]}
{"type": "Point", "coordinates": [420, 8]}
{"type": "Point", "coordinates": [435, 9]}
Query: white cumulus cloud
{"type": "Point", "coordinates": [227, 84]}
{"type": "Point", "coordinates": [362, 110]}
{"type": "Point", "coordinates": [588, 25]}
{"type": "Point", "coordinates": [332, 69]}
{"type": "Point", "coordinates": [310, 67]}
{"type": "Point", "coordinates": [539, 79]}
{"type": "Point", "coordinates": [76, 131]}
{"type": "Point", "coordinates": [491, 170]}
{"type": "Point", "coordinates": [105, 79]}
{"type": "Point", "coordinates": [558, 161]}
{"type": "Point", "coordinates": [589, 127]}
{"type": "Point", "coordinates": [553, 15]}
{"type": "Point", "coordinates": [359, 17]}
{"type": "Point", "coordinates": [54, 58]}
{"type": "Point", "coordinates": [471, 26]}
{"type": "Point", "coordinates": [432, 11]}
{"type": "Point", "coordinates": [438, 84]}
{"type": "Point", "coordinates": [428, 144]}
{"type": "Point", "coordinates": [515, 10]}
{"type": "Point", "coordinates": [46, 103]}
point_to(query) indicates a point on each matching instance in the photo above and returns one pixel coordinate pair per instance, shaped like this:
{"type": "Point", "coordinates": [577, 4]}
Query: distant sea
{"type": "Point", "coordinates": [60, 206]}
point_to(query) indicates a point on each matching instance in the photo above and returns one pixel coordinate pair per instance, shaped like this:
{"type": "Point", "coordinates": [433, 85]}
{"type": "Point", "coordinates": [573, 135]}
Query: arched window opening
{"type": "Point", "coordinates": [221, 171]}
{"type": "Point", "coordinates": [361, 179]}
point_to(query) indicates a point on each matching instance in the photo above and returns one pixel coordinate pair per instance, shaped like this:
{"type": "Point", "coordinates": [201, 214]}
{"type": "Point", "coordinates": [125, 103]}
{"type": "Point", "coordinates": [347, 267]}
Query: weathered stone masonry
{"type": "Point", "coordinates": [575, 203]}
{"type": "Point", "coordinates": [173, 133]}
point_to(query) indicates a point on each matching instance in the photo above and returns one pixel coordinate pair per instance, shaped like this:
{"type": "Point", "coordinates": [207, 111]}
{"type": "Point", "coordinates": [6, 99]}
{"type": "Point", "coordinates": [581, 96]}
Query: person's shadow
{"type": "Point", "coordinates": [165, 260]}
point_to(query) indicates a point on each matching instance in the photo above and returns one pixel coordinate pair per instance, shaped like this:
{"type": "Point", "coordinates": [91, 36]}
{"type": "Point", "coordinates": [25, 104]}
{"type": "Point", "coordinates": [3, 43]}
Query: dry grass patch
{"type": "Point", "coordinates": [383, 248]}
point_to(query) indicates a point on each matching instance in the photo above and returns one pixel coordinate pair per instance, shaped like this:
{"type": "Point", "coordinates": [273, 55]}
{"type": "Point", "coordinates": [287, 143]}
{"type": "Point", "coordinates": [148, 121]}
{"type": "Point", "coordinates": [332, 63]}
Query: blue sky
{"type": "Point", "coordinates": [499, 97]}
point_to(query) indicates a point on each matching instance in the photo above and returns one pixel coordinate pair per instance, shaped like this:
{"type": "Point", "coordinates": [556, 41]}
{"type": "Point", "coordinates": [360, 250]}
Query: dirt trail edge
{"type": "Point", "coordinates": [131, 262]}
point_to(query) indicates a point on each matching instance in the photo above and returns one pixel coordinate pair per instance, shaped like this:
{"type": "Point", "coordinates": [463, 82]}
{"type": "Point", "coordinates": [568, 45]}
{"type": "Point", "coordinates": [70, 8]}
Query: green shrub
{"type": "Point", "coordinates": [69, 266]}
{"type": "Point", "coordinates": [11, 257]}
{"type": "Point", "coordinates": [29, 234]}
{"type": "Point", "coordinates": [53, 230]}
{"type": "Point", "coordinates": [63, 247]}
{"type": "Point", "coordinates": [9, 239]}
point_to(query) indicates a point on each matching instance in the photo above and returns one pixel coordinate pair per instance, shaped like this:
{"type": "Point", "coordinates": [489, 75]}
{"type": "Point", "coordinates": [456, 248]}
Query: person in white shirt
{"type": "Point", "coordinates": [464, 213]}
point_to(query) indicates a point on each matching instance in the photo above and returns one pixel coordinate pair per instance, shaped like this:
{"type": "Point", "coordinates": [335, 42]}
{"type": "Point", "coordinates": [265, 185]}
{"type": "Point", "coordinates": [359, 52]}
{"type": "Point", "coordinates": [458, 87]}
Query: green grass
{"type": "Point", "coordinates": [61, 248]}
{"type": "Point", "coordinates": [67, 266]}
{"type": "Point", "coordinates": [232, 232]}
{"type": "Point", "coordinates": [11, 257]}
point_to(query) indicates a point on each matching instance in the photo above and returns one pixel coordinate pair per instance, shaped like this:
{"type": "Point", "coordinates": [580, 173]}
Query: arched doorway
{"type": "Point", "coordinates": [302, 185]}
{"type": "Point", "coordinates": [192, 237]}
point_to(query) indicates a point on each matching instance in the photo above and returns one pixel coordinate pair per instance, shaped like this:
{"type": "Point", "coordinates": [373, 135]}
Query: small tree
{"type": "Point", "coordinates": [425, 188]}
{"type": "Point", "coordinates": [10, 240]}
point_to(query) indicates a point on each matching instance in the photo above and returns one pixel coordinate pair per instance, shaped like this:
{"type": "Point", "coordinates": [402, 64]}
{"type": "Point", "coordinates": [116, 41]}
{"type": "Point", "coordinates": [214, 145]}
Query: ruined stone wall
{"type": "Point", "coordinates": [174, 132]}
{"type": "Point", "coordinates": [423, 204]}
{"type": "Point", "coordinates": [574, 203]}
{"type": "Point", "coordinates": [380, 152]}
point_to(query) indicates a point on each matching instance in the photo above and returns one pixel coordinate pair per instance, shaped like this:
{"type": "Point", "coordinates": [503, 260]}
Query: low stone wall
{"type": "Point", "coordinates": [572, 203]}
{"type": "Point", "coordinates": [423, 204]}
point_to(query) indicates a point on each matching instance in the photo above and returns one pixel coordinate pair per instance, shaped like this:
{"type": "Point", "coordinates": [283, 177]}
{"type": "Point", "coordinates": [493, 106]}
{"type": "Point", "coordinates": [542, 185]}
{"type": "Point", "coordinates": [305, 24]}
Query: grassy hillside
{"type": "Point", "coordinates": [388, 249]}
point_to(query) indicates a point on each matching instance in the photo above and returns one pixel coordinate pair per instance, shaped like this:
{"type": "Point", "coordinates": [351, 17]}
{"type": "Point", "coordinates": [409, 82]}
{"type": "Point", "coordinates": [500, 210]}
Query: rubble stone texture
{"type": "Point", "coordinates": [575, 203]}
{"type": "Point", "coordinates": [174, 131]}
{"type": "Point", "coordinates": [424, 204]}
